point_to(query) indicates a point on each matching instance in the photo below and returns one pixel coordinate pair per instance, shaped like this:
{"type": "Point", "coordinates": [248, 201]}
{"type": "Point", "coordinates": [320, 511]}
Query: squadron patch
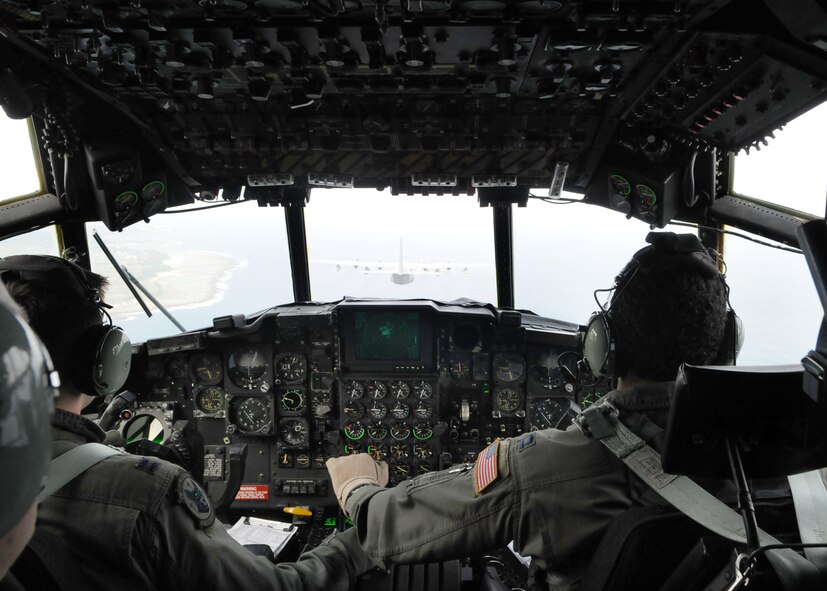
{"type": "Point", "coordinates": [196, 501]}
{"type": "Point", "coordinates": [485, 470]}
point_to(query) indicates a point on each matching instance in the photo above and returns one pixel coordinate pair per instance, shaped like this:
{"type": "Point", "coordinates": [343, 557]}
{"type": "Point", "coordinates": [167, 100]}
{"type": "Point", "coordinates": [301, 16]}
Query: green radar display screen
{"type": "Point", "coordinates": [392, 335]}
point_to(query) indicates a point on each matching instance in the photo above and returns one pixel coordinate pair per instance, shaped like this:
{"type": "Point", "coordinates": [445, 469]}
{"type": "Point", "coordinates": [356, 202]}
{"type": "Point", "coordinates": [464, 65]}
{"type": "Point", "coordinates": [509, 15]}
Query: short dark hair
{"type": "Point", "coordinates": [58, 312]}
{"type": "Point", "coordinates": [671, 311]}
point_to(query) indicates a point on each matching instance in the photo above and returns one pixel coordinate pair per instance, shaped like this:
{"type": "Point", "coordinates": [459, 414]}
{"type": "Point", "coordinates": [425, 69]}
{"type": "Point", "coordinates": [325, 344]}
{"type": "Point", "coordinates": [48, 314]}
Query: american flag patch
{"type": "Point", "coordinates": [485, 470]}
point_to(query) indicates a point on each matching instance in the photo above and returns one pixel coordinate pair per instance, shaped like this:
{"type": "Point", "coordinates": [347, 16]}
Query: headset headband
{"type": "Point", "coordinates": [43, 268]}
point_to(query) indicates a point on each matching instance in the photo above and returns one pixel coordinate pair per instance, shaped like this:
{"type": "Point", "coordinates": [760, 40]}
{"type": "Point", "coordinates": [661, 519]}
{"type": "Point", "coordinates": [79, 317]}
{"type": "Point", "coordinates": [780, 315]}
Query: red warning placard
{"type": "Point", "coordinates": [253, 492]}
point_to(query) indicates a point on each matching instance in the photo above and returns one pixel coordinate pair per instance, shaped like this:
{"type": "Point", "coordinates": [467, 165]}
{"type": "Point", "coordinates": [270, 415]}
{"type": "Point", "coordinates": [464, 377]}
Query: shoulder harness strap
{"type": "Point", "coordinates": [68, 466]}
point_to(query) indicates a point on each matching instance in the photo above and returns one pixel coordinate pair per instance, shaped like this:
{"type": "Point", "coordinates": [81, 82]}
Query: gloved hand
{"type": "Point", "coordinates": [348, 472]}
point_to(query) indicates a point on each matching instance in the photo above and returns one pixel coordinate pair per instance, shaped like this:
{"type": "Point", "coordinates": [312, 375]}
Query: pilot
{"type": "Point", "coordinates": [553, 492]}
{"type": "Point", "coordinates": [132, 522]}
{"type": "Point", "coordinates": [27, 395]}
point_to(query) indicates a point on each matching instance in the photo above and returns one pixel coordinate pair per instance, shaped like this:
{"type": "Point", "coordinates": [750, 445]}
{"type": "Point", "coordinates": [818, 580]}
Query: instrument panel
{"type": "Point", "coordinates": [418, 384]}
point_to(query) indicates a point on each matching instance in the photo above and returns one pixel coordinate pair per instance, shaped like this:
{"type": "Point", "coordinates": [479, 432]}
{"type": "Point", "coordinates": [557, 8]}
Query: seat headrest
{"type": "Point", "coordinates": [778, 428]}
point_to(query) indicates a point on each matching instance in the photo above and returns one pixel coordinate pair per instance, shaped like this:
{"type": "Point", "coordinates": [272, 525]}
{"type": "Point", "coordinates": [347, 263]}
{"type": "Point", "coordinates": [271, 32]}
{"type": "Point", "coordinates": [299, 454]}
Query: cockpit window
{"type": "Point", "coordinates": [18, 167]}
{"type": "Point", "coordinates": [564, 252]}
{"type": "Point", "coordinates": [790, 170]}
{"type": "Point", "coordinates": [199, 265]}
{"type": "Point", "coordinates": [42, 241]}
{"type": "Point", "coordinates": [374, 244]}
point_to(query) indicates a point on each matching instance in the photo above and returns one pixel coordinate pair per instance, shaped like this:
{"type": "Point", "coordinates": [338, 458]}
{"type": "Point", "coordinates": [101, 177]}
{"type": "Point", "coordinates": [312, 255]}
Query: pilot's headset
{"type": "Point", "coordinates": [600, 347]}
{"type": "Point", "coordinates": [99, 362]}
{"type": "Point", "coordinates": [28, 386]}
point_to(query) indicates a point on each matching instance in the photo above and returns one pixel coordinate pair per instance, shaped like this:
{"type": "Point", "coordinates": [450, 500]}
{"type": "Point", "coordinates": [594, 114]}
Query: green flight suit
{"type": "Point", "coordinates": [555, 496]}
{"type": "Point", "coordinates": [120, 525]}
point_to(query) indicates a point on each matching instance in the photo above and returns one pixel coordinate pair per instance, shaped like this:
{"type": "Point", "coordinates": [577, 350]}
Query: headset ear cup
{"type": "Point", "coordinates": [599, 347]}
{"type": "Point", "coordinates": [101, 361]}
{"type": "Point", "coordinates": [733, 339]}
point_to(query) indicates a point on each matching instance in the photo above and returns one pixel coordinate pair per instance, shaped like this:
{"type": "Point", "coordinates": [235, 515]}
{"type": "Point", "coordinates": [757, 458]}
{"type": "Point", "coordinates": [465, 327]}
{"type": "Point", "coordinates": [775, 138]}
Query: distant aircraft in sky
{"type": "Point", "coordinates": [404, 272]}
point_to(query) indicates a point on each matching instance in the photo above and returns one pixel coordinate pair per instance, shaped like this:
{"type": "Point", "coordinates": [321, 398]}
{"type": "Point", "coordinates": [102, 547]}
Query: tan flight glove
{"type": "Point", "coordinates": [348, 472]}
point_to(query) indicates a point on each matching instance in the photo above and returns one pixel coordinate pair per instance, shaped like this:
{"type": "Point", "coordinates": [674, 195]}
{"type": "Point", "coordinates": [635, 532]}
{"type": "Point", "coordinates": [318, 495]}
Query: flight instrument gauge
{"type": "Point", "coordinates": [400, 431]}
{"type": "Point", "coordinates": [377, 410]}
{"type": "Point", "coordinates": [423, 431]}
{"type": "Point", "coordinates": [379, 451]}
{"type": "Point", "coordinates": [546, 412]}
{"type": "Point", "coordinates": [294, 432]}
{"type": "Point", "coordinates": [400, 410]}
{"type": "Point", "coordinates": [377, 431]}
{"type": "Point", "coordinates": [354, 431]}
{"type": "Point", "coordinates": [377, 390]}
{"type": "Point", "coordinates": [247, 367]}
{"type": "Point", "coordinates": [354, 390]}
{"type": "Point", "coordinates": [507, 400]}
{"type": "Point", "coordinates": [291, 367]}
{"type": "Point", "coordinates": [423, 390]}
{"type": "Point", "coordinates": [252, 414]}
{"type": "Point", "coordinates": [400, 390]}
{"type": "Point", "coordinates": [509, 368]}
{"type": "Point", "coordinates": [207, 368]}
{"type": "Point", "coordinates": [210, 399]}
{"type": "Point", "coordinates": [292, 400]}
{"type": "Point", "coordinates": [422, 410]}
{"type": "Point", "coordinates": [400, 451]}
{"type": "Point", "coordinates": [354, 410]}
{"type": "Point", "coordinates": [423, 451]}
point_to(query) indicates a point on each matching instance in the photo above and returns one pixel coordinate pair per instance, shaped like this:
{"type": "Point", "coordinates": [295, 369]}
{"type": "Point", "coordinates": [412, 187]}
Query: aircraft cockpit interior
{"type": "Point", "coordinates": [392, 221]}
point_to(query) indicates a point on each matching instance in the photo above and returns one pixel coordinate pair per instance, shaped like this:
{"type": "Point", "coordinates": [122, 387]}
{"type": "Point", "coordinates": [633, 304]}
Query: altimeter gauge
{"type": "Point", "coordinates": [291, 368]}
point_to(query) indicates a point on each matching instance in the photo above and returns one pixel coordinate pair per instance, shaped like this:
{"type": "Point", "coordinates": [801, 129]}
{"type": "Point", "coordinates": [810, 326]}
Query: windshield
{"type": "Point", "coordinates": [199, 265]}
{"type": "Point", "coordinates": [373, 244]}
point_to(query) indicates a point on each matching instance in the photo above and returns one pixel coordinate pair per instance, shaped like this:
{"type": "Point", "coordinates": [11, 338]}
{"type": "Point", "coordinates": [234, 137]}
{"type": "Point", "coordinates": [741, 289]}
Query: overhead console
{"type": "Point", "coordinates": [419, 384]}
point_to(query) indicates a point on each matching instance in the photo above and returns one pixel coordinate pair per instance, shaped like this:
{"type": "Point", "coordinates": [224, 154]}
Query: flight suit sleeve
{"type": "Point", "coordinates": [436, 516]}
{"type": "Point", "coordinates": [185, 556]}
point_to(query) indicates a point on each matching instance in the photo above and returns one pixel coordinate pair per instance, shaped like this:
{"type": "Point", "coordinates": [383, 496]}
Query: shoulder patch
{"type": "Point", "coordinates": [485, 469]}
{"type": "Point", "coordinates": [148, 465]}
{"type": "Point", "coordinates": [195, 500]}
{"type": "Point", "coordinates": [525, 441]}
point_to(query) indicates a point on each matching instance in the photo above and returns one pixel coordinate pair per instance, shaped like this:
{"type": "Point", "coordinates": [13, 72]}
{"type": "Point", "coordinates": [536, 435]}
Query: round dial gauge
{"type": "Point", "coordinates": [423, 390]}
{"type": "Point", "coordinates": [294, 432]}
{"type": "Point", "coordinates": [292, 399]}
{"type": "Point", "coordinates": [354, 430]}
{"type": "Point", "coordinates": [423, 431]}
{"type": "Point", "coordinates": [546, 412]}
{"type": "Point", "coordinates": [400, 431]}
{"type": "Point", "coordinates": [354, 390]}
{"type": "Point", "coordinates": [377, 390]}
{"type": "Point", "coordinates": [423, 467]}
{"type": "Point", "coordinates": [423, 451]}
{"type": "Point", "coordinates": [210, 399]}
{"type": "Point", "coordinates": [400, 470]}
{"type": "Point", "coordinates": [377, 431]}
{"type": "Point", "coordinates": [207, 368]}
{"type": "Point", "coordinates": [352, 448]}
{"type": "Point", "coordinates": [291, 367]}
{"type": "Point", "coordinates": [400, 390]}
{"type": "Point", "coordinates": [400, 410]}
{"type": "Point", "coordinates": [354, 410]}
{"type": "Point", "coordinates": [247, 367]}
{"type": "Point", "coordinates": [178, 368]}
{"type": "Point", "coordinates": [507, 400]}
{"type": "Point", "coordinates": [548, 377]}
{"type": "Point", "coordinates": [460, 369]}
{"type": "Point", "coordinates": [252, 415]}
{"type": "Point", "coordinates": [378, 451]}
{"type": "Point", "coordinates": [422, 410]}
{"type": "Point", "coordinates": [400, 451]}
{"type": "Point", "coordinates": [509, 368]}
{"type": "Point", "coordinates": [377, 410]}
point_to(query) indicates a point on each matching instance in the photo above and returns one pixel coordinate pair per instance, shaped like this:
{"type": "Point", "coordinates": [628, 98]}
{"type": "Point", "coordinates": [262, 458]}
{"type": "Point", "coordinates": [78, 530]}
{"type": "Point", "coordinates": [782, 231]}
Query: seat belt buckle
{"type": "Point", "coordinates": [597, 421]}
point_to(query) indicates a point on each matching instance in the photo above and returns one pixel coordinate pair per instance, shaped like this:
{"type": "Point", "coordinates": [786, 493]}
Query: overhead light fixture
{"type": "Point", "coordinates": [424, 179]}
{"type": "Point", "coordinates": [494, 180]}
{"type": "Point", "coordinates": [280, 179]}
{"type": "Point", "coordinates": [320, 179]}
